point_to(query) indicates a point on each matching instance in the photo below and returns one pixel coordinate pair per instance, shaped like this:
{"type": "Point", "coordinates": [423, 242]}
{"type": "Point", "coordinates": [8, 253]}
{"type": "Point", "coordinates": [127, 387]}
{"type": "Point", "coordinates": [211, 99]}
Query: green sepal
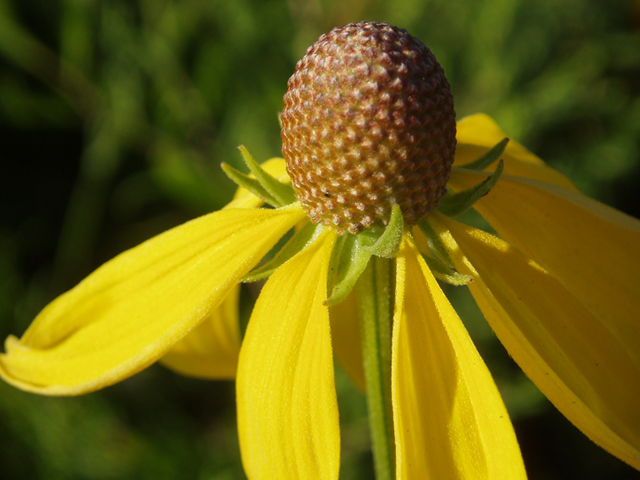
{"type": "Point", "coordinates": [245, 181]}
{"type": "Point", "coordinates": [297, 243]}
{"type": "Point", "coordinates": [353, 253]}
{"type": "Point", "coordinates": [281, 192]}
{"type": "Point", "coordinates": [488, 158]}
{"type": "Point", "coordinates": [454, 204]}
{"type": "Point", "coordinates": [435, 244]}
{"type": "Point", "coordinates": [388, 244]}
{"type": "Point", "coordinates": [445, 273]}
{"type": "Point", "coordinates": [350, 258]}
{"type": "Point", "coordinates": [441, 264]}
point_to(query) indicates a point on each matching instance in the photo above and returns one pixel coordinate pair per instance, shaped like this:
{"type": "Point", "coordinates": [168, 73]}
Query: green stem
{"type": "Point", "coordinates": [375, 290]}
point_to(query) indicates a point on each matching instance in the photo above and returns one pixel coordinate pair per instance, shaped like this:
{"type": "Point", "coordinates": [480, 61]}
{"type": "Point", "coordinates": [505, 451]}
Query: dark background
{"type": "Point", "coordinates": [115, 116]}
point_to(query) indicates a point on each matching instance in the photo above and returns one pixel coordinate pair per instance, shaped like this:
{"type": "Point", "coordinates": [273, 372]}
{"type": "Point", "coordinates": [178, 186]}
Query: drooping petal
{"type": "Point", "coordinates": [211, 349]}
{"type": "Point", "coordinates": [449, 419]}
{"type": "Point", "coordinates": [575, 357]}
{"type": "Point", "coordinates": [287, 408]}
{"type": "Point", "coordinates": [592, 249]}
{"type": "Point", "coordinates": [346, 339]}
{"type": "Point", "coordinates": [130, 311]}
{"type": "Point", "coordinates": [478, 133]}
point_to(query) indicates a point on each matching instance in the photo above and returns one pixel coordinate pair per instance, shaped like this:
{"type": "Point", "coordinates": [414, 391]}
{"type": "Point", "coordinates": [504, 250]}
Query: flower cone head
{"type": "Point", "coordinates": [368, 123]}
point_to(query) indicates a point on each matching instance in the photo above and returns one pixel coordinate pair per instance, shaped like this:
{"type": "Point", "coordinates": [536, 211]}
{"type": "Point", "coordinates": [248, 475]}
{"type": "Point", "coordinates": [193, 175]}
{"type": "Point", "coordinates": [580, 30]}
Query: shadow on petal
{"type": "Point", "coordinates": [571, 354]}
{"type": "Point", "coordinates": [211, 349]}
{"type": "Point", "coordinates": [476, 134]}
{"type": "Point", "coordinates": [449, 419]}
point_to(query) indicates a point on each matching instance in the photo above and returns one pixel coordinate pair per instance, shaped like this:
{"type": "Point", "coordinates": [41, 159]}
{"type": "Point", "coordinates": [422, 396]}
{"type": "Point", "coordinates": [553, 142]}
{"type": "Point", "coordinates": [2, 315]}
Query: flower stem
{"type": "Point", "coordinates": [375, 292]}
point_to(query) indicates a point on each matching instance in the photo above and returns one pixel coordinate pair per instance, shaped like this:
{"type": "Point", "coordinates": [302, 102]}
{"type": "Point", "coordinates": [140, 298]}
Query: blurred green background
{"type": "Point", "coordinates": [115, 116]}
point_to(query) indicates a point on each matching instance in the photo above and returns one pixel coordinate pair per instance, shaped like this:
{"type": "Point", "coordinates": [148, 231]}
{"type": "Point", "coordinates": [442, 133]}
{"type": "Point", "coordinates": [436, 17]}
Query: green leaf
{"type": "Point", "coordinates": [349, 261]}
{"type": "Point", "coordinates": [389, 242]}
{"type": "Point", "coordinates": [445, 273]}
{"type": "Point", "coordinates": [297, 243]}
{"type": "Point", "coordinates": [454, 204]}
{"type": "Point", "coordinates": [281, 192]}
{"type": "Point", "coordinates": [488, 158]}
{"type": "Point", "coordinates": [251, 184]}
{"type": "Point", "coordinates": [435, 244]}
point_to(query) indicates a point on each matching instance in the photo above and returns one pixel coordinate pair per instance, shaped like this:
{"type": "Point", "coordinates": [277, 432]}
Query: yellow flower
{"type": "Point", "coordinates": [559, 288]}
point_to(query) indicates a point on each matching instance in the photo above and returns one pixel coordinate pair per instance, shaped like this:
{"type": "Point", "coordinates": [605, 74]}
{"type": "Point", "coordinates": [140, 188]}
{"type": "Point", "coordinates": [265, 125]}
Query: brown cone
{"type": "Point", "coordinates": [368, 122]}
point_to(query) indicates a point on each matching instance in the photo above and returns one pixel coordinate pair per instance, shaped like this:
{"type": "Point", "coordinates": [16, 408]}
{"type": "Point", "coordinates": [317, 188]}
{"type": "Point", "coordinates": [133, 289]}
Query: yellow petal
{"type": "Point", "coordinates": [211, 349]}
{"type": "Point", "coordinates": [130, 311]}
{"type": "Point", "coordinates": [572, 355]}
{"type": "Point", "coordinates": [345, 335]}
{"type": "Point", "coordinates": [478, 133]}
{"type": "Point", "coordinates": [287, 408]}
{"type": "Point", "coordinates": [593, 250]}
{"type": "Point", "coordinates": [449, 419]}
{"type": "Point", "coordinates": [245, 199]}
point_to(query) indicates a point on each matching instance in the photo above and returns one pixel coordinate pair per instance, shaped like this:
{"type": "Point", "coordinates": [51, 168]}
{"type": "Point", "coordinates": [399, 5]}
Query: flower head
{"type": "Point", "coordinates": [558, 283]}
{"type": "Point", "coordinates": [368, 123]}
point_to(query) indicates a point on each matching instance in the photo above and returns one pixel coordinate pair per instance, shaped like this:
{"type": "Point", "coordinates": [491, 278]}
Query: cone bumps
{"type": "Point", "coordinates": [368, 122]}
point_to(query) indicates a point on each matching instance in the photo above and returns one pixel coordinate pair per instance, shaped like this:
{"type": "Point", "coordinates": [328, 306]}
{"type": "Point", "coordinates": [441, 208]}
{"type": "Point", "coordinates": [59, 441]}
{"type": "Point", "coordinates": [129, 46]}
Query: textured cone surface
{"type": "Point", "coordinates": [368, 122]}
